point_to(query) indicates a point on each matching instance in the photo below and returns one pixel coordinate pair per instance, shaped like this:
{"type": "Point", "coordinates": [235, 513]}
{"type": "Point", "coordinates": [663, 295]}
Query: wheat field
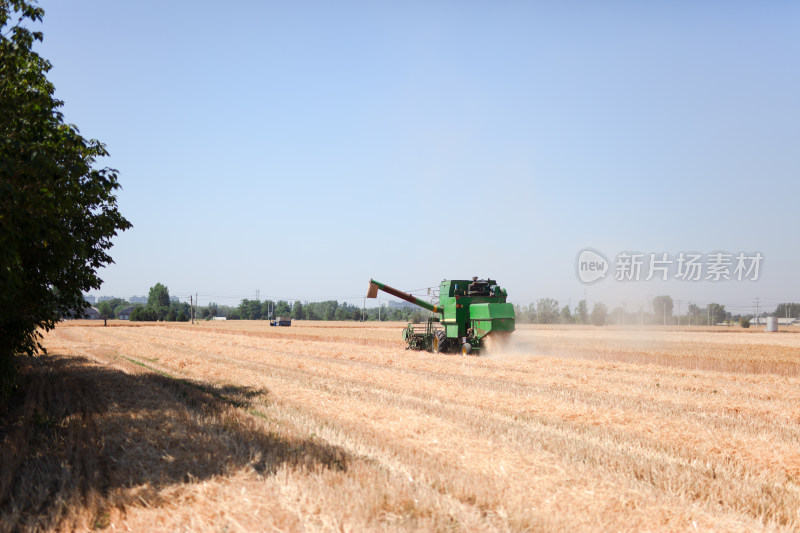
{"type": "Point", "coordinates": [237, 426]}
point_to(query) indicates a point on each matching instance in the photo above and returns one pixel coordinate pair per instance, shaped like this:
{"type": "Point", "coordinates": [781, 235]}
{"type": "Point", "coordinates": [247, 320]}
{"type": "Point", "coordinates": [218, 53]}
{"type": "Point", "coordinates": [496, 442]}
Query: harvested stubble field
{"type": "Point", "coordinates": [334, 426]}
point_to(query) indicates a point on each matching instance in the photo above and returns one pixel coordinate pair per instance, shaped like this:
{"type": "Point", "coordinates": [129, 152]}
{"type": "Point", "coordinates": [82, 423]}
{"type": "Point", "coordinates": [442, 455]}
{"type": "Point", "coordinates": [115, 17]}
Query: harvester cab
{"type": "Point", "coordinates": [468, 312]}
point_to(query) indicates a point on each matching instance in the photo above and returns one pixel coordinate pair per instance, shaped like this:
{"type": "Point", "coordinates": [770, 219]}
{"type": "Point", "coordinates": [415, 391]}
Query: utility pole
{"type": "Point", "coordinates": [196, 305]}
{"type": "Point", "coordinates": [757, 321]}
{"type": "Point", "coordinates": [191, 308]}
{"type": "Point", "coordinates": [679, 312]}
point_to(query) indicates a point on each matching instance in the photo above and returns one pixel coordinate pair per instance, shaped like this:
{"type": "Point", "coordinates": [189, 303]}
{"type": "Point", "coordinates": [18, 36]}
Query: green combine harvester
{"type": "Point", "coordinates": [467, 313]}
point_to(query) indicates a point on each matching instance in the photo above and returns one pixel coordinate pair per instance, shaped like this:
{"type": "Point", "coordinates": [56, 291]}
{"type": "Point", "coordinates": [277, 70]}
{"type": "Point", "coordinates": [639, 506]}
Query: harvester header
{"type": "Point", "coordinates": [468, 311]}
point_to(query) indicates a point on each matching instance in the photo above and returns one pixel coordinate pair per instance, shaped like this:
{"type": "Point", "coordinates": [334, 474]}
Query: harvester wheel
{"type": "Point", "coordinates": [439, 341]}
{"type": "Point", "coordinates": [466, 348]}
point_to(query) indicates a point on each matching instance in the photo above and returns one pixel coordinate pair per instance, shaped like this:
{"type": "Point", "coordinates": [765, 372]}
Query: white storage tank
{"type": "Point", "coordinates": [772, 324]}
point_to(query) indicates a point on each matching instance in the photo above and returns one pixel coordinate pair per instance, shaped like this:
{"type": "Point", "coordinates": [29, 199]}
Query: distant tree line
{"type": "Point", "coordinates": [660, 311]}
{"type": "Point", "coordinates": [326, 310]}
{"type": "Point", "coordinates": [545, 311]}
{"type": "Point", "coordinates": [159, 308]}
{"type": "Point", "coordinates": [548, 311]}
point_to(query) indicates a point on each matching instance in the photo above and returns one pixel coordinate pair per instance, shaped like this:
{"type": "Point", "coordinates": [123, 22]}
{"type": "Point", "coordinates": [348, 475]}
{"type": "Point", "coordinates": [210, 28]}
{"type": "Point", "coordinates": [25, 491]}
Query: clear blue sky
{"type": "Point", "coordinates": [301, 148]}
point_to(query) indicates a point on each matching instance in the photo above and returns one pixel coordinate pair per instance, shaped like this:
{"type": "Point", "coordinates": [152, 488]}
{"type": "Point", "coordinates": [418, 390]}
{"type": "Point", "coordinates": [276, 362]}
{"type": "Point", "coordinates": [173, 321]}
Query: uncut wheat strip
{"type": "Point", "coordinates": [701, 349]}
{"type": "Point", "coordinates": [298, 335]}
{"type": "Point", "coordinates": [712, 346]}
{"type": "Point", "coordinates": [753, 361]}
{"type": "Point", "coordinates": [345, 335]}
{"type": "Point", "coordinates": [305, 324]}
{"type": "Point", "coordinates": [722, 437]}
{"type": "Point", "coordinates": [92, 350]}
{"type": "Point", "coordinates": [332, 331]}
{"type": "Point", "coordinates": [656, 338]}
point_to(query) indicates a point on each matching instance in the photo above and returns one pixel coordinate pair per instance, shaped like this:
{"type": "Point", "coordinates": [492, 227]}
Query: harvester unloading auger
{"type": "Point", "coordinates": [468, 312]}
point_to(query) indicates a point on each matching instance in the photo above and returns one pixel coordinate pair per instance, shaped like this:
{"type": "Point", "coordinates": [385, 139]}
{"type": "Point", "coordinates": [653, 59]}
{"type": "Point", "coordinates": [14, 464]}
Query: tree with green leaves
{"type": "Point", "coordinates": [297, 310]}
{"type": "Point", "coordinates": [787, 310]}
{"type": "Point", "coordinates": [566, 316]}
{"type": "Point", "coordinates": [117, 305]}
{"type": "Point", "coordinates": [599, 314]}
{"type": "Point", "coordinates": [58, 213]}
{"type": "Point", "coordinates": [662, 308]}
{"type": "Point", "coordinates": [716, 313]}
{"type": "Point", "coordinates": [158, 296]}
{"type": "Point", "coordinates": [282, 308]}
{"type": "Point", "coordinates": [547, 311]}
{"type": "Point", "coordinates": [105, 309]}
{"type": "Point", "coordinates": [582, 313]}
